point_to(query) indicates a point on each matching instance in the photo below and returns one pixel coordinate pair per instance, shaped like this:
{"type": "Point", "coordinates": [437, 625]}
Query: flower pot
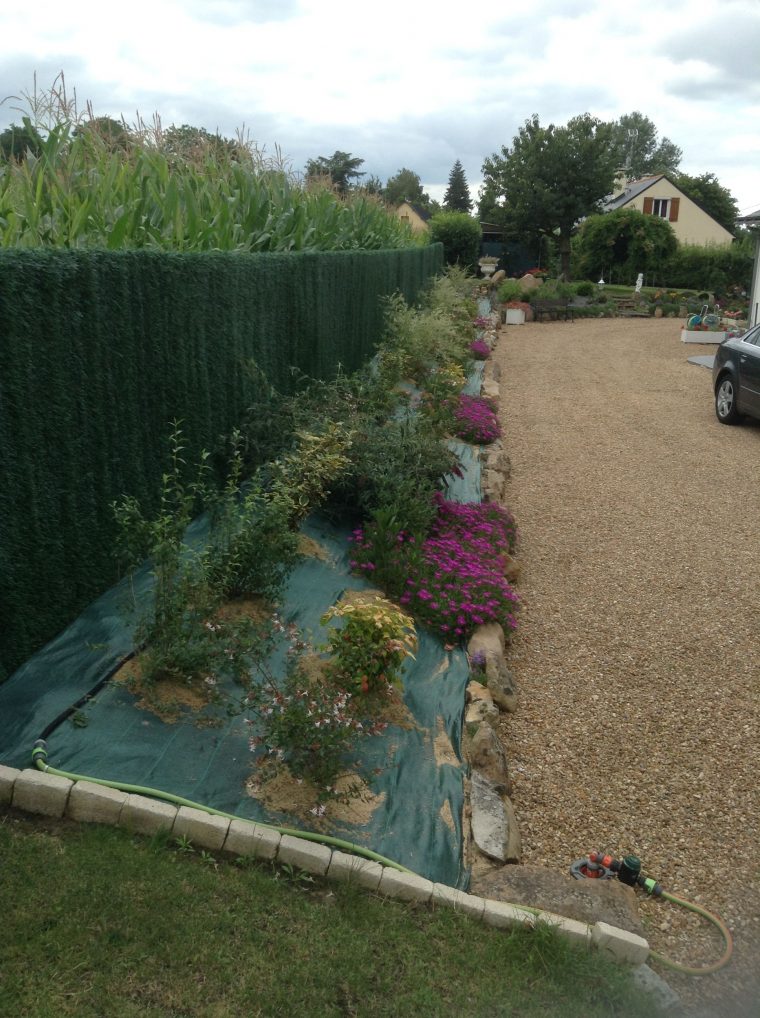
{"type": "Point", "coordinates": [700, 336]}
{"type": "Point", "coordinates": [514, 316]}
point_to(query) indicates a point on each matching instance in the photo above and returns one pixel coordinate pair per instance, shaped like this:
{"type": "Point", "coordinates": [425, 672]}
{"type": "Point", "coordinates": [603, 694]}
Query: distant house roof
{"type": "Point", "coordinates": [631, 190]}
{"type": "Point", "coordinates": [752, 219]}
{"type": "Point", "coordinates": [421, 212]}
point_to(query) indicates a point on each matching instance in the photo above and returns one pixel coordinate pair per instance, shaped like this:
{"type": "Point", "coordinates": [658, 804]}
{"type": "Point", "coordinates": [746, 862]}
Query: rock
{"type": "Point", "coordinates": [493, 822]}
{"type": "Point", "coordinates": [529, 282]}
{"type": "Point", "coordinates": [498, 276]}
{"type": "Point", "coordinates": [480, 711]}
{"type": "Point", "coordinates": [487, 757]}
{"type": "Point", "coordinates": [477, 691]}
{"type": "Point", "coordinates": [487, 640]}
{"type": "Point", "coordinates": [588, 901]}
{"type": "Point", "coordinates": [501, 684]}
{"type": "Point", "coordinates": [512, 569]}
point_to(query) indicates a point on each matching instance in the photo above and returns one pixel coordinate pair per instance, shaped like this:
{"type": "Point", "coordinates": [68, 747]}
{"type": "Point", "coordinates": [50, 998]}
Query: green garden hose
{"type": "Point", "coordinates": [39, 758]}
{"type": "Point", "coordinates": [716, 921]}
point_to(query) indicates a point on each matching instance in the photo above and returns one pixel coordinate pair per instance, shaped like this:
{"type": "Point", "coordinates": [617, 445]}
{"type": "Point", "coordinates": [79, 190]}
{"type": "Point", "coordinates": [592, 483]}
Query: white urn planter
{"type": "Point", "coordinates": [514, 316]}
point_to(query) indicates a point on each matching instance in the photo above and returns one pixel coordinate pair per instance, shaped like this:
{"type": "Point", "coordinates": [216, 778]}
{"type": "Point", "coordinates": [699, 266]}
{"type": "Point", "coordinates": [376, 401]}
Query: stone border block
{"type": "Point", "coordinates": [460, 901]}
{"type": "Point", "coordinates": [405, 886]}
{"type": "Point", "coordinates": [246, 838]}
{"type": "Point", "coordinates": [8, 777]}
{"type": "Point", "coordinates": [205, 830]}
{"type": "Point", "coordinates": [306, 855]}
{"type": "Point", "coordinates": [36, 792]}
{"type": "Point", "coordinates": [619, 944]}
{"type": "Point", "coordinates": [353, 869]}
{"type": "Point", "coordinates": [143, 815]}
{"type": "Point", "coordinates": [504, 916]}
{"type": "Point", "coordinates": [95, 804]}
{"type": "Point", "coordinates": [571, 929]}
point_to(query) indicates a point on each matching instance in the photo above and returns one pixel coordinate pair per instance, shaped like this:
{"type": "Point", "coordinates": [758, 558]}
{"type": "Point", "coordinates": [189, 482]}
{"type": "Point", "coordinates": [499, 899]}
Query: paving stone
{"type": "Point", "coordinates": [405, 886]}
{"type": "Point", "coordinates": [353, 869]}
{"type": "Point", "coordinates": [305, 855]}
{"type": "Point", "coordinates": [460, 901]}
{"type": "Point", "coordinates": [37, 792]}
{"type": "Point", "coordinates": [204, 830]}
{"type": "Point", "coordinates": [94, 803]}
{"type": "Point", "coordinates": [147, 816]}
{"type": "Point", "coordinates": [505, 916]}
{"type": "Point", "coordinates": [8, 777]}
{"type": "Point", "coordinates": [619, 944]}
{"type": "Point", "coordinates": [245, 838]}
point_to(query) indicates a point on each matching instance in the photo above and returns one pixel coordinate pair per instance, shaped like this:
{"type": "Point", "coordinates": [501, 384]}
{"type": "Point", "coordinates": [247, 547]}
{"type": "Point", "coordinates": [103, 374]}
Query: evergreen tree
{"type": "Point", "coordinates": [457, 197]}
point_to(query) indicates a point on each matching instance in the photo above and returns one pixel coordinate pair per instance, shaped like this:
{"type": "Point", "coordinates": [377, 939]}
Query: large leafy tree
{"type": "Point", "coordinates": [406, 186]}
{"type": "Point", "coordinates": [624, 243]}
{"type": "Point", "coordinates": [193, 143]}
{"type": "Point", "coordinates": [113, 134]}
{"type": "Point", "coordinates": [16, 142]}
{"type": "Point", "coordinates": [716, 200]}
{"type": "Point", "coordinates": [341, 167]}
{"type": "Point", "coordinates": [457, 197]}
{"type": "Point", "coordinates": [638, 148]}
{"type": "Point", "coordinates": [553, 177]}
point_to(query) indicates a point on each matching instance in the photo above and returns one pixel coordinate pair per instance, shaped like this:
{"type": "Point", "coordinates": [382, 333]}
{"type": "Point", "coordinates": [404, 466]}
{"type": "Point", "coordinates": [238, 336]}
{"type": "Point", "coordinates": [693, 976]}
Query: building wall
{"type": "Point", "coordinates": [693, 226]}
{"type": "Point", "coordinates": [406, 213]}
{"type": "Point", "coordinates": [754, 305]}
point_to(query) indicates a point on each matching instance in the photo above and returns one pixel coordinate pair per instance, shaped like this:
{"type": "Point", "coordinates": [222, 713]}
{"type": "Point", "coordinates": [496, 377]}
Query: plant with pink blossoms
{"type": "Point", "coordinates": [480, 350]}
{"type": "Point", "coordinates": [476, 420]}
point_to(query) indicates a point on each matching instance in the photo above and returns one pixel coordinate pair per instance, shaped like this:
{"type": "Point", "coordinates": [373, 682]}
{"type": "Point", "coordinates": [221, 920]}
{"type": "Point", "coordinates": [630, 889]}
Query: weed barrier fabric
{"type": "Point", "coordinates": [420, 780]}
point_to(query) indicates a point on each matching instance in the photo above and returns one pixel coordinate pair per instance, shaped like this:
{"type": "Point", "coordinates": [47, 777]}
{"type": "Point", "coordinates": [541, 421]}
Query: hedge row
{"type": "Point", "coordinates": [101, 350]}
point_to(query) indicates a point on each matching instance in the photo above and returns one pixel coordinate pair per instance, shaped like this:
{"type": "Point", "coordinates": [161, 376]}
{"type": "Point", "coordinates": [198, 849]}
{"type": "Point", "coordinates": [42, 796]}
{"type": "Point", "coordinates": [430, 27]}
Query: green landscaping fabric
{"type": "Point", "coordinates": [419, 820]}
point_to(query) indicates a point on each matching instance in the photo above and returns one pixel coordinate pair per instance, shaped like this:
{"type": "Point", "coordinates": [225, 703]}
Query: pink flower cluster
{"type": "Point", "coordinates": [480, 350]}
{"type": "Point", "coordinates": [476, 420]}
{"type": "Point", "coordinates": [455, 581]}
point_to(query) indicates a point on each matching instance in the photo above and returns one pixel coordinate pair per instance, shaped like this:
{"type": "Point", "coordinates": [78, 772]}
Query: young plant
{"type": "Point", "coordinates": [369, 650]}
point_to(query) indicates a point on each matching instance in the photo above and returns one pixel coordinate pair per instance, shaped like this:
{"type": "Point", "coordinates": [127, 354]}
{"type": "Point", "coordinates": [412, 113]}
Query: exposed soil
{"type": "Point", "coordinates": [637, 653]}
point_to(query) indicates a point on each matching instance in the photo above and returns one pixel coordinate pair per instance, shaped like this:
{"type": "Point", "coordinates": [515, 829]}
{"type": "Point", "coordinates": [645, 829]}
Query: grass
{"type": "Point", "coordinates": [101, 923]}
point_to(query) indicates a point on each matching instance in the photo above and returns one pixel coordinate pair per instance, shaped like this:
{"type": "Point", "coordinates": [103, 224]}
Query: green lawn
{"type": "Point", "coordinates": [100, 923]}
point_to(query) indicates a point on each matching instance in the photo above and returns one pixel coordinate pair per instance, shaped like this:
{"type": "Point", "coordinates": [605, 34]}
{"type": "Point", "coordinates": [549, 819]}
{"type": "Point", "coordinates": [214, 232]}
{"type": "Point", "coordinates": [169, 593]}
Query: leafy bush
{"type": "Point", "coordinates": [460, 235]}
{"type": "Point", "coordinates": [585, 289]}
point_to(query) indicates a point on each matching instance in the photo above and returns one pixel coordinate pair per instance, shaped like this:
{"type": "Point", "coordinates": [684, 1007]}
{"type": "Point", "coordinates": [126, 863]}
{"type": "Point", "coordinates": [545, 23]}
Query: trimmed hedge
{"type": "Point", "coordinates": [101, 350]}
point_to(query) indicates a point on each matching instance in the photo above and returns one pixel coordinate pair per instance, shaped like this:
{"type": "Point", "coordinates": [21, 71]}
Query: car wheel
{"type": "Point", "coordinates": [725, 401]}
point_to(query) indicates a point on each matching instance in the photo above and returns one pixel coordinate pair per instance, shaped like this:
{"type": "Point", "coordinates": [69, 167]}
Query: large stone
{"type": "Point", "coordinates": [493, 822]}
{"type": "Point", "coordinates": [487, 640]}
{"type": "Point", "coordinates": [588, 901]}
{"type": "Point", "coordinates": [487, 756]}
{"type": "Point", "coordinates": [38, 792]}
{"type": "Point", "coordinates": [501, 684]}
{"type": "Point", "coordinates": [479, 712]}
{"type": "Point", "coordinates": [95, 804]}
{"type": "Point", "coordinates": [529, 282]}
{"type": "Point", "coordinates": [8, 777]}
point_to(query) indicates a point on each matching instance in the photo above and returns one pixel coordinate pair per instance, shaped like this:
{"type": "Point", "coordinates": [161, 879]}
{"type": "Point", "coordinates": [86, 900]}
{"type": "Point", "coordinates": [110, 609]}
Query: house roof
{"type": "Point", "coordinates": [421, 212]}
{"type": "Point", "coordinates": [631, 190]}
{"type": "Point", "coordinates": [750, 220]}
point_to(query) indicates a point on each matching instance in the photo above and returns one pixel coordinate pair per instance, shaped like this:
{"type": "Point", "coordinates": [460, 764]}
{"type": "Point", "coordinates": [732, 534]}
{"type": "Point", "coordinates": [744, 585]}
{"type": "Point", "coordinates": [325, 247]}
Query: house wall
{"type": "Point", "coordinates": [693, 226]}
{"type": "Point", "coordinates": [406, 213]}
{"type": "Point", "coordinates": [754, 300]}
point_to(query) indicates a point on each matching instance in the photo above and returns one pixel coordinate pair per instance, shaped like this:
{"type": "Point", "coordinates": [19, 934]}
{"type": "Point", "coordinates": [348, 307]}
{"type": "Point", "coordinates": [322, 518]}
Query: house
{"type": "Point", "coordinates": [659, 196]}
{"type": "Point", "coordinates": [415, 215]}
{"type": "Point", "coordinates": [753, 222]}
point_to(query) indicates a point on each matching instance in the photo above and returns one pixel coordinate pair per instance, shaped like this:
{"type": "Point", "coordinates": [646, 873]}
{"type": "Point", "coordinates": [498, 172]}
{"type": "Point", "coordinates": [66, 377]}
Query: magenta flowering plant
{"type": "Point", "coordinates": [476, 420]}
{"type": "Point", "coordinates": [481, 322]}
{"type": "Point", "coordinates": [453, 580]}
{"type": "Point", "coordinates": [480, 350]}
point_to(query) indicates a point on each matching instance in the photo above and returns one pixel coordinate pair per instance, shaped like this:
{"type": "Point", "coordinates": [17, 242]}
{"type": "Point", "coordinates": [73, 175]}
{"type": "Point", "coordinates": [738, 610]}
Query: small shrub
{"type": "Point", "coordinates": [480, 350]}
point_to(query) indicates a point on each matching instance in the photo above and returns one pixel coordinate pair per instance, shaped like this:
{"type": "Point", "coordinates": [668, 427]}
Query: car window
{"type": "Point", "coordinates": [753, 336]}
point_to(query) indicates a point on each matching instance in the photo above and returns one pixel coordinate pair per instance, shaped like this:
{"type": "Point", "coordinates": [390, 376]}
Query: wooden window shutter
{"type": "Point", "coordinates": [647, 206]}
{"type": "Point", "coordinates": [674, 203]}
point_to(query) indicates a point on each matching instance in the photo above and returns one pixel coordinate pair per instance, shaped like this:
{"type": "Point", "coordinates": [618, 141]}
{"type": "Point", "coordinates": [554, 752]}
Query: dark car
{"type": "Point", "coordinates": [736, 377]}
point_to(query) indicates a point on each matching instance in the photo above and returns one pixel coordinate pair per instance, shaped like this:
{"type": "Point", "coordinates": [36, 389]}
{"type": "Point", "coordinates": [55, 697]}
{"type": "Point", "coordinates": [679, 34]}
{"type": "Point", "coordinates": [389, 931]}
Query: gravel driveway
{"type": "Point", "coordinates": [638, 652]}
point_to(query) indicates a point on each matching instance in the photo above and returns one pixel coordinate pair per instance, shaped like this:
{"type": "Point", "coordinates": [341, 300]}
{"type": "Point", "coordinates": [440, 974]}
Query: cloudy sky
{"type": "Point", "coordinates": [405, 83]}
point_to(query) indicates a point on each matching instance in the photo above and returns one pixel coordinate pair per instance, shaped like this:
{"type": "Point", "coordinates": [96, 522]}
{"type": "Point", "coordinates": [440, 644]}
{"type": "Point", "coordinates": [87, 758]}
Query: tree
{"type": "Point", "coordinates": [341, 167]}
{"type": "Point", "coordinates": [639, 151]}
{"type": "Point", "coordinates": [460, 236]}
{"type": "Point", "coordinates": [193, 143]}
{"type": "Point", "coordinates": [16, 141]}
{"type": "Point", "coordinates": [112, 133]}
{"type": "Point", "coordinates": [553, 177]}
{"type": "Point", "coordinates": [714, 199]}
{"type": "Point", "coordinates": [624, 240]}
{"type": "Point", "coordinates": [457, 197]}
{"type": "Point", "coordinates": [406, 186]}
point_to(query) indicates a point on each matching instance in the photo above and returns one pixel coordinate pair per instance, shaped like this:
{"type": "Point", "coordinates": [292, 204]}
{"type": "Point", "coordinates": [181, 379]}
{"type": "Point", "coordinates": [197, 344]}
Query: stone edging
{"type": "Point", "coordinates": [34, 791]}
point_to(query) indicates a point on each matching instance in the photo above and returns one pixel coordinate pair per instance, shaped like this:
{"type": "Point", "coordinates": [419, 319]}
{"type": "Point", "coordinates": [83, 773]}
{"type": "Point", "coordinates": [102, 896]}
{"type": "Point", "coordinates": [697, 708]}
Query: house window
{"type": "Point", "coordinates": [661, 207]}
{"type": "Point", "coordinates": [405, 219]}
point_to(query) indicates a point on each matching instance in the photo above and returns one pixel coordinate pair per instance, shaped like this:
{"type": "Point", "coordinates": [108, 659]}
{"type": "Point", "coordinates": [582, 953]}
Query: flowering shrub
{"type": "Point", "coordinates": [454, 581]}
{"type": "Point", "coordinates": [476, 420]}
{"type": "Point", "coordinates": [480, 350]}
{"type": "Point", "coordinates": [368, 652]}
{"type": "Point", "coordinates": [481, 322]}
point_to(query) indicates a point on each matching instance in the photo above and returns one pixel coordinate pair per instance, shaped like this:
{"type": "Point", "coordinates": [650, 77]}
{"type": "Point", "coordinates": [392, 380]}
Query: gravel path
{"type": "Point", "coordinates": [637, 656]}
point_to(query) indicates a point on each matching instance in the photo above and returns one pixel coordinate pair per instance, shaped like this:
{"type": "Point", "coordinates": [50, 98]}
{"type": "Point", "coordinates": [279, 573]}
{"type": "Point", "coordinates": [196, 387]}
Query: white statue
{"type": "Point", "coordinates": [639, 282]}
